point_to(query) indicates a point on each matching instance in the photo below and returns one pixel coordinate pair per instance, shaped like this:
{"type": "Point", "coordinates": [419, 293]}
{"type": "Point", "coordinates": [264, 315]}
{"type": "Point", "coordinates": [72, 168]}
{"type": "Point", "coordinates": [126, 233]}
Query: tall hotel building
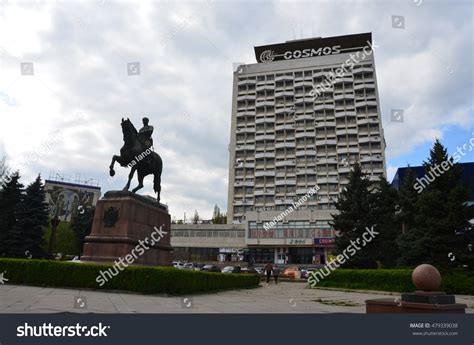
{"type": "Point", "coordinates": [290, 134]}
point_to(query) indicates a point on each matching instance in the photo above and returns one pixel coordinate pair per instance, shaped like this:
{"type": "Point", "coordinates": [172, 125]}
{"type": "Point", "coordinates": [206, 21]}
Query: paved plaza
{"type": "Point", "coordinates": [286, 297]}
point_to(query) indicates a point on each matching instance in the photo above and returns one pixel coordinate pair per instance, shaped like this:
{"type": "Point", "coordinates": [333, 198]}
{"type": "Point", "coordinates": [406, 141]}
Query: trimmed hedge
{"type": "Point", "coordinates": [148, 280]}
{"type": "Point", "coordinates": [395, 280]}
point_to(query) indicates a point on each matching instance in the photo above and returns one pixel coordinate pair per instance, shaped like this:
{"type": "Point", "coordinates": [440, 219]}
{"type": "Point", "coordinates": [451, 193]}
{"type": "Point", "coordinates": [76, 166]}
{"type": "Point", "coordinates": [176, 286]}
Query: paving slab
{"type": "Point", "coordinates": [284, 297]}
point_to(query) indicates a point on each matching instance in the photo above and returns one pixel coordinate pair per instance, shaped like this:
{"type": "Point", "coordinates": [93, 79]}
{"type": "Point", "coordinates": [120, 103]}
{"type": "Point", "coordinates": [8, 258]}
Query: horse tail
{"type": "Point", "coordinates": [158, 168]}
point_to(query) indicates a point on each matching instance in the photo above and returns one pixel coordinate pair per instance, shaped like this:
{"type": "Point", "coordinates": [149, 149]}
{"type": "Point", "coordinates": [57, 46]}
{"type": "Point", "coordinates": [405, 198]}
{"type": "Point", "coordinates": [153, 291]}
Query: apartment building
{"type": "Point", "coordinates": [294, 126]}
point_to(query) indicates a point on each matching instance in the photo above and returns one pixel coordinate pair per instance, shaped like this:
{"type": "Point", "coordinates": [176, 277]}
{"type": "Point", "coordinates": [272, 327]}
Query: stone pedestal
{"type": "Point", "coordinates": [129, 224]}
{"type": "Point", "coordinates": [426, 300]}
{"type": "Point", "coordinates": [392, 306]}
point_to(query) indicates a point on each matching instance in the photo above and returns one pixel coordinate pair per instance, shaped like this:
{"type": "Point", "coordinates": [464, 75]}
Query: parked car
{"type": "Point", "coordinates": [211, 268]}
{"type": "Point", "coordinates": [247, 270]}
{"type": "Point", "coordinates": [292, 272]}
{"type": "Point", "coordinates": [237, 269]}
{"type": "Point", "coordinates": [188, 266]}
{"type": "Point", "coordinates": [198, 267]}
{"type": "Point", "coordinates": [178, 264]}
{"type": "Point", "coordinates": [228, 269]}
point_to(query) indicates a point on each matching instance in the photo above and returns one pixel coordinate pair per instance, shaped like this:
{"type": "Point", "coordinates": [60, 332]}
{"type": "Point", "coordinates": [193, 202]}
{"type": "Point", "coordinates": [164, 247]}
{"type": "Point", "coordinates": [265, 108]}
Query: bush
{"type": "Point", "coordinates": [395, 280]}
{"type": "Point", "coordinates": [149, 280]}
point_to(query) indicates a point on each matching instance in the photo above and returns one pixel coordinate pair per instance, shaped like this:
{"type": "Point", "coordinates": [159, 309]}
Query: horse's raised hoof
{"type": "Point", "coordinates": [111, 172]}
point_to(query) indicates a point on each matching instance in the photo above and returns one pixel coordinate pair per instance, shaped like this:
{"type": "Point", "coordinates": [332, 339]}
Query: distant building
{"type": "Point", "coordinates": [208, 242]}
{"type": "Point", "coordinates": [64, 198]}
{"type": "Point", "coordinates": [467, 177]}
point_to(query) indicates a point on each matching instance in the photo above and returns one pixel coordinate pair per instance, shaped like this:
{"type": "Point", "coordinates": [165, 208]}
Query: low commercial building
{"type": "Point", "coordinates": [206, 243]}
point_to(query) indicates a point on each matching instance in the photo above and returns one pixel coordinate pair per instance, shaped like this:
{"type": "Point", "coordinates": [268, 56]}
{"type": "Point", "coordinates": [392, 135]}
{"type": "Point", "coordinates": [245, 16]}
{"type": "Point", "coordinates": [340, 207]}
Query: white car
{"type": "Point", "coordinates": [228, 269]}
{"type": "Point", "coordinates": [188, 266]}
{"type": "Point", "coordinates": [177, 264]}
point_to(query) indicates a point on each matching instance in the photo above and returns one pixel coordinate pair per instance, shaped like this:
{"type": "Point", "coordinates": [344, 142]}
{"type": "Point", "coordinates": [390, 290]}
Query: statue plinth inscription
{"type": "Point", "coordinates": [129, 224]}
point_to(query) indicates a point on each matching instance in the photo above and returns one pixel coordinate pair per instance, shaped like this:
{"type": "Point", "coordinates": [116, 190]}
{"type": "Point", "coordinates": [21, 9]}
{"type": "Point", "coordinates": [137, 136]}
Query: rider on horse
{"type": "Point", "coordinates": [144, 135]}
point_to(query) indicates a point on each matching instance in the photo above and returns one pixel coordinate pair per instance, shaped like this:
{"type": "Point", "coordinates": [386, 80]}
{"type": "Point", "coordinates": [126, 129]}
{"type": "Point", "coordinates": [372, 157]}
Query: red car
{"type": "Point", "coordinates": [292, 272]}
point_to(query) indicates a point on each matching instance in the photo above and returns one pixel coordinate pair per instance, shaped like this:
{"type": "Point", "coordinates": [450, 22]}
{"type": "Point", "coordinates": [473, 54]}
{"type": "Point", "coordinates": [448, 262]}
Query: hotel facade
{"type": "Point", "coordinates": [301, 117]}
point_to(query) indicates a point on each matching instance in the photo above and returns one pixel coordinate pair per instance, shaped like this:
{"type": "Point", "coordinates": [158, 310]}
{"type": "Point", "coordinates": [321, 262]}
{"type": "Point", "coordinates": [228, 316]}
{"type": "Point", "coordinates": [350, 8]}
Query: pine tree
{"type": "Point", "coordinates": [27, 234]}
{"type": "Point", "coordinates": [216, 217]}
{"type": "Point", "coordinates": [407, 198]}
{"type": "Point", "coordinates": [441, 211]}
{"type": "Point", "coordinates": [384, 211]}
{"type": "Point", "coordinates": [196, 217]}
{"type": "Point", "coordinates": [354, 217]}
{"type": "Point", "coordinates": [10, 200]}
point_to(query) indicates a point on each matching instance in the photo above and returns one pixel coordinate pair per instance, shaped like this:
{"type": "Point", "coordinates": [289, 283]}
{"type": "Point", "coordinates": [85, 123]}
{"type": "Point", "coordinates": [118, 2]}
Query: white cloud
{"type": "Point", "coordinates": [186, 49]}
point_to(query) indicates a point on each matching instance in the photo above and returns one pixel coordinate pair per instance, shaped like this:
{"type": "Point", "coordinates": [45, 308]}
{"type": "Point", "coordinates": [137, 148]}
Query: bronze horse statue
{"type": "Point", "coordinates": [138, 157]}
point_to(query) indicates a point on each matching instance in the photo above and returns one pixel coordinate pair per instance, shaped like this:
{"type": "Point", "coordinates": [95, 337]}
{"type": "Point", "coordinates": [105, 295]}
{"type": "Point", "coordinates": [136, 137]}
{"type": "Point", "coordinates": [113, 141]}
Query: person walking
{"type": "Point", "coordinates": [268, 271]}
{"type": "Point", "coordinates": [276, 273]}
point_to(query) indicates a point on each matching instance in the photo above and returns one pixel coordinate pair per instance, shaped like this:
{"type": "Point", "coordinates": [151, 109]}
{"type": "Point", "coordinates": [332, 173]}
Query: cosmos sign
{"type": "Point", "coordinates": [312, 47]}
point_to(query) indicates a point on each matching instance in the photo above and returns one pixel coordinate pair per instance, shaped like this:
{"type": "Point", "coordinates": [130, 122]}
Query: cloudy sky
{"type": "Point", "coordinates": [66, 116]}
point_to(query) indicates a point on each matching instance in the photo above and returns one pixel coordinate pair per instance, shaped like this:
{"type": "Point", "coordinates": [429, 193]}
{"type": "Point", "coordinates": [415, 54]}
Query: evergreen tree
{"type": "Point", "coordinates": [218, 217]}
{"type": "Point", "coordinates": [385, 200]}
{"type": "Point", "coordinates": [81, 225]}
{"type": "Point", "coordinates": [355, 206]}
{"type": "Point", "coordinates": [196, 217]}
{"type": "Point", "coordinates": [10, 199]}
{"type": "Point", "coordinates": [441, 211]}
{"type": "Point", "coordinates": [407, 198]}
{"type": "Point", "coordinates": [26, 237]}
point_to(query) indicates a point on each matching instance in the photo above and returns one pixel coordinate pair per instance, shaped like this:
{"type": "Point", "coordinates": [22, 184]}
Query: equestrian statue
{"type": "Point", "coordinates": [138, 154]}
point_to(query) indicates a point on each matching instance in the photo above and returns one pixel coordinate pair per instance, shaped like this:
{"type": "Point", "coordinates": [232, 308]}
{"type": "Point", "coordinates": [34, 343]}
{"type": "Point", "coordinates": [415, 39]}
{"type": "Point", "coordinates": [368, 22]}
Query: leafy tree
{"type": "Point", "coordinates": [65, 242]}
{"type": "Point", "coordinates": [81, 225]}
{"type": "Point", "coordinates": [354, 217]}
{"type": "Point", "coordinates": [10, 200]}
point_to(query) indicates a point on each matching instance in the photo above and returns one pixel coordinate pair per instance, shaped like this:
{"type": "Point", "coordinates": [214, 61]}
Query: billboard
{"type": "Point", "coordinates": [312, 47]}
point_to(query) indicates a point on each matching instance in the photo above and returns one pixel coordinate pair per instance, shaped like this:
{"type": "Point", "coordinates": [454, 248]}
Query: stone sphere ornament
{"type": "Point", "coordinates": [426, 277]}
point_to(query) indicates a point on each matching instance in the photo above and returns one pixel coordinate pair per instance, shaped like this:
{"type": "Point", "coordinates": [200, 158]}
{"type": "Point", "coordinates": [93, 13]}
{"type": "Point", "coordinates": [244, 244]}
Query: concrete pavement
{"type": "Point", "coordinates": [285, 297]}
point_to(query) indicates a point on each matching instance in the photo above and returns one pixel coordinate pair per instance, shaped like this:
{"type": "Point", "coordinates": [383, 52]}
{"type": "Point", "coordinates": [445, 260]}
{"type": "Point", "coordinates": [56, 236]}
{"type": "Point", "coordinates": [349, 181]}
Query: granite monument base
{"type": "Point", "coordinates": [129, 227]}
{"type": "Point", "coordinates": [392, 306]}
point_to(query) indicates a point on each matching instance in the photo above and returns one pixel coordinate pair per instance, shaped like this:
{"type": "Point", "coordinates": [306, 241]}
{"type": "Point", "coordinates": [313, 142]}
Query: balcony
{"type": "Point", "coordinates": [285, 144]}
{"type": "Point", "coordinates": [345, 113]}
{"type": "Point", "coordinates": [265, 119]}
{"type": "Point", "coordinates": [246, 82]}
{"type": "Point", "coordinates": [265, 137]}
{"type": "Point", "coordinates": [268, 87]}
{"type": "Point", "coordinates": [310, 134]}
{"type": "Point", "coordinates": [324, 142]}
{"type": "Point", "coordinates": [328, 106]}
{"type": "Point", "coordinates": [264, 103]}
{"type": "Point", "coordinates": [246, 97]}
{"type": "Point", "coordinates": [264, 155]}
{"type": "Point", "coordinates": [284, 77]}
{"type": "Point", "coordinates": [245, 130]}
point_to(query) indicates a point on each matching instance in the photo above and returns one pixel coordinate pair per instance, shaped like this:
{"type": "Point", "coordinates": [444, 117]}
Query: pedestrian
{"type": "Point", "coordinates": [276, 273]}
{"type": "Point", "coordinates": [268, 271]}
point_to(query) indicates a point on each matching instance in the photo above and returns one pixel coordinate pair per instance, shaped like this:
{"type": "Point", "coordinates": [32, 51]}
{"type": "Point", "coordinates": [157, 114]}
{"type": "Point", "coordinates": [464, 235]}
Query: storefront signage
{"type": "Point", "coordinates": [324, 241]}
